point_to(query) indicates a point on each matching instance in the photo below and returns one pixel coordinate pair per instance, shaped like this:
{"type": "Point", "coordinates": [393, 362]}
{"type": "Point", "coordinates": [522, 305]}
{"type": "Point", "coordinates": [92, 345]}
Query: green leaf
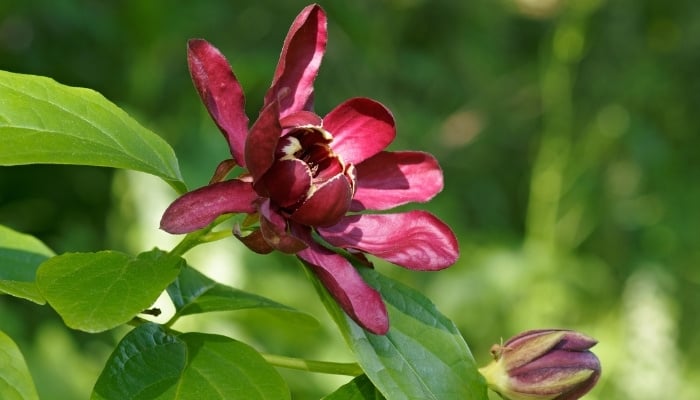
{"type": "Point", "coordinates": [20, 256]}
{"type": "Point", "coordinates": [152, 363]}
{"type": "Point", "coordinates": [360, 388]}
{"type": "Point", "coordinates": [423, 356]}
{"type": "Point", "coordinates": [15, 381]}
{"type": "Point", "coordinates": [193, 293]}
{"type": "Point", "coordinates": [94, 292]}
{"type": "Point", "coordinates": [42, 121]}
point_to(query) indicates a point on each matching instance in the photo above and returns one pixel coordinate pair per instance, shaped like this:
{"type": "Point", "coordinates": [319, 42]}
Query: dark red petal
{"type": "Point", "coordinates": [199, 208]}
{"type": "Point", "coordinates": [299, 62]}
{"type": "Point", "coordinates": [360, 301]}
{"type": "Point", "coordinates": [222, 170]}
{"type": "Point", "coordinates": [262, 141]}
{"type": "Point", "coordinates": [221, 93]}
{"type": "Point", "coordinates": [390, 179]}
{"type": "Point", "coordinates": [361, 128]}
{"type": "Point", "coordinates": [286, 183]}
{"type": "Point", "coordinates": [416, 239]}
{"type": "Point", "coordinates": [327, 167]}
{"type": "Point", "coordinates": [300, 118]}
{"type": "Point", "coordinates": [274, 229]}
{"type": "Point", "coordinates": [254, 241]}
{"type": "Point", "coordinates": [327, 205]}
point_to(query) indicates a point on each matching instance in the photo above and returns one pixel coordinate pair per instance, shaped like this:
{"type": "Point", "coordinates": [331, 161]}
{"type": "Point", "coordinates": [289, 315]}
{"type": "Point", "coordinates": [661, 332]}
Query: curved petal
{"type": "Point", "coordinates": [361, 128]}
{"type": "Point", "coordinates": [261, 143]}
{"type": "Point", "coordinates": [390, 179]}
{"type": "Point", "coordinates": [254, 240]}
{"type": "Point", "coordinates": [299, 62]}
{"type": "Point", "coordinates": [222, 170]}
{"type": "Point", "coordinates": [360, 301]}
{"type": "Point", "coordinates": [199, 208]}
{"type": "Point", "coordinates": [274, 230]}
{"type": "Point", "coordinates": [557, 372]}
{"type": "Point", "coordinates": [415, 240]}
{"type": "Point", "coordinates": [300, 118]}
{"type": "Point", "coordinates": [221, 93]}
{"type": "Point", "coordinates": [327, 205]}
{"type": "Point", "coordinates": [562, 339]}
{"type": "Point", "coordinates": [286, 183]}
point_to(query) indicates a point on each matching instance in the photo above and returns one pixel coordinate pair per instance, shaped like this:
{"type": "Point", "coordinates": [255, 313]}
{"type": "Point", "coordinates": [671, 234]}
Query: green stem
{"type": "Point", "coordinates": [351, 369]}
{"type": "Point", "coordinates": [203, 235]}
{"type": "Point", "coordinates": [189, 241]}
{"type": "Point", "coordinates": [214, 236]}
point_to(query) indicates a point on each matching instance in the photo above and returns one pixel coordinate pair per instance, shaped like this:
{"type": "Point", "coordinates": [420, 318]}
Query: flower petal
{"type": "Point", "coordinates": [301, 118]}
{"type": "Point", "coordinates": [361, 128]}
{"type": "Point", "coordinates": [299, 62]}
{"type": "Point", "coordinates": [254, 240]}
{"type": "Point", "coordinates": [274, 229]}
{"type": "Point", "coordinates": [415, 240]}
{"type": "Point", "coordinates": [222, 170]}
{"type": "Point", "coordinates": [327, 205]}
{"type": "Point", "coordinates": [199, 208]}
{"type": "Point", "coordinates": [565, 339]}
{"type": "Point", "coordinates": [558, 373]}
{"type": "Point", "coordinates": [286, 183]}
{"type": "Point", "coordinates": [262, 140]}
{"type": "Point", "coordinates": [221, 93]}
{"type": "Point", "coordinates": [390, 179]}
{"type": "Point", "coordinates": [360, 301]}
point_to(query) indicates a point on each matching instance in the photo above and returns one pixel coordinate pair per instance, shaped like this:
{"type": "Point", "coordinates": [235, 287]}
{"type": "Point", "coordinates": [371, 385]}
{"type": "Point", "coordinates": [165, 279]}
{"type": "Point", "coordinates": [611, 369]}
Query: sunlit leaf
{"type": "Point", "coordinates": [42, 121]}
{"type": "Point", "coordinates": [193, 293]}
{"type": "Point", "coordinates": [151, 363]}
{"type": "Point", "coordinates": [15, 381]}
{"type": "Point", "coordinates": [423, 356]}
{"type": "Point", "coordinates": [94, 292]}
{"type": "Point", "coordinates": [360, 388]}
{"type": "Point", "coordinates": [20, 256]}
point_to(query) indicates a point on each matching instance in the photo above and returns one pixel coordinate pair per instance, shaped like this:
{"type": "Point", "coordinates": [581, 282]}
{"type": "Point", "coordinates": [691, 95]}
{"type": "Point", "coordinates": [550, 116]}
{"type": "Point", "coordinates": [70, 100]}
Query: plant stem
{"type": "Point", "coordinates": [217, 235]}
{"type": "Point", "coordinates": [351, 369]}
{"type": "Point", "coordinates": [203, 235]}
{"type": "Point", "coordinates": [189, 241]}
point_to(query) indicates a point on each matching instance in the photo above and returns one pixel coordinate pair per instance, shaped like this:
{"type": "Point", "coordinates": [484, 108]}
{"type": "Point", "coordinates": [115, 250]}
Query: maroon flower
{"type": "Point", "coordinates": [310, 176]}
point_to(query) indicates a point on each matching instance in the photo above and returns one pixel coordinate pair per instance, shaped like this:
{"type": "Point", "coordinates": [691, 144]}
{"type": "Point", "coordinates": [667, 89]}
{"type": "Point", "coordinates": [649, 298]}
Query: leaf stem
{"type": "Point", "coordinates": [188, 242]}
{"type": "Point", "coordinates": [203, 235]}
{"type": "Point", "coordinates": [217, 235]}
{"type": "Point", "coordinates": [324, 367]}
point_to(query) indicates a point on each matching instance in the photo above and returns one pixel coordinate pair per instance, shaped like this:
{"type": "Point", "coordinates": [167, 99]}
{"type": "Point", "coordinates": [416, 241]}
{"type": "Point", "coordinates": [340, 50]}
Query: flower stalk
{"type": "Point", "coordinates": [204, 235]}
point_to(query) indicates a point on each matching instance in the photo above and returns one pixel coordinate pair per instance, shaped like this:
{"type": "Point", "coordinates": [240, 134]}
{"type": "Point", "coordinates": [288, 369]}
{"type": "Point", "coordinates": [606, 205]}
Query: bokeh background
{"type": "Point", "coordinates": [567, 131]}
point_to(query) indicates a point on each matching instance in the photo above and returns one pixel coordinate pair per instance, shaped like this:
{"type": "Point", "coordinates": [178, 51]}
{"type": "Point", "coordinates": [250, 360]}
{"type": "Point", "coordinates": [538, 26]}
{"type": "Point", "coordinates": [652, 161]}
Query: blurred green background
{"type": "Point", "coordinates": [567, 131]}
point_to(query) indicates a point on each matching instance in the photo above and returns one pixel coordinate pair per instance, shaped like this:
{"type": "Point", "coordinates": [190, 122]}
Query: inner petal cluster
{"type": "Point", "coordinates": [308, 182]}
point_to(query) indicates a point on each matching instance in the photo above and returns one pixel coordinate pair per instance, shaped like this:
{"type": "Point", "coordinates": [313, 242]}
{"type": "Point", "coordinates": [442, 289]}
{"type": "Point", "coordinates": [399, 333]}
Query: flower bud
{"type": "Point", "coordinates": [548, 364]}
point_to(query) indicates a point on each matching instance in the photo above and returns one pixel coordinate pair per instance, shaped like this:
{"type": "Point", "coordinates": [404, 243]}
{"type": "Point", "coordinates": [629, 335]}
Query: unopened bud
{"type": "Point", "coordinates": [548, 364]}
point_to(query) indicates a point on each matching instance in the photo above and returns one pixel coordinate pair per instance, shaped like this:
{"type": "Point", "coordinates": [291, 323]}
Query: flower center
{"type": "Point", "coordinates": [308, 182]}
{"type": "Point", "coordinates": [311, 145]}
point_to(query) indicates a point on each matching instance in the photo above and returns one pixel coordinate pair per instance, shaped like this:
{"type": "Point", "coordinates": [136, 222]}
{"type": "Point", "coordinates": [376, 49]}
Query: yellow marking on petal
{"type": "Point", "coordinates": [291, 148]}
{"type": "Point", "coordinates": [326, 135]}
